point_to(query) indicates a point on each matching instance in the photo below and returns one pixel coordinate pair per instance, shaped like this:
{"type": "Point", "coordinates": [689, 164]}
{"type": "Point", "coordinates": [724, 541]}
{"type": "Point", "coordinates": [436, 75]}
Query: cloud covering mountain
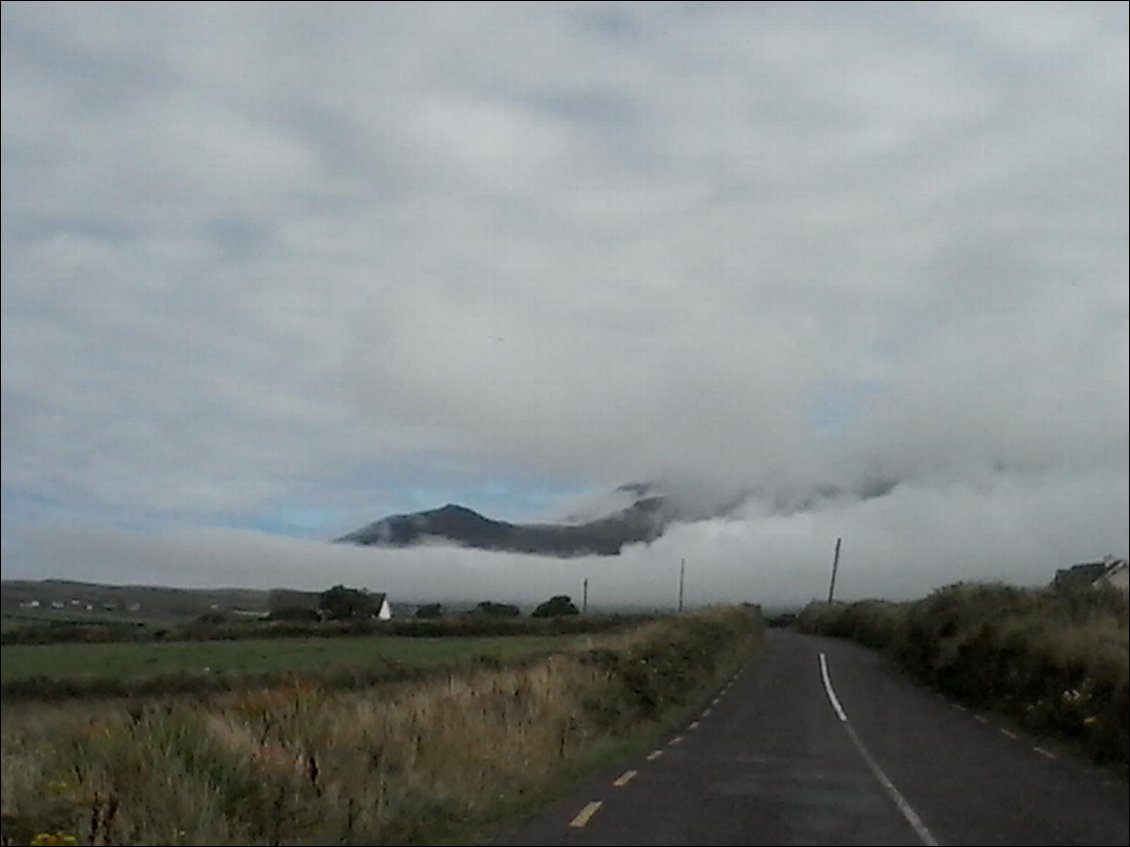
{"type": "Point", "coordinates": [272, 271]}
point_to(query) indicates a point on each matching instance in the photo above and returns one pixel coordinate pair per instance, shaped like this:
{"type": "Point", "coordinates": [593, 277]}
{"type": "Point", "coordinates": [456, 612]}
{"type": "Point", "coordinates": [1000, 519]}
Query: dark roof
{"type": "Point", "coordinates": [286, 598]}
{"type": "Point", "coordinates": [1079, 575]}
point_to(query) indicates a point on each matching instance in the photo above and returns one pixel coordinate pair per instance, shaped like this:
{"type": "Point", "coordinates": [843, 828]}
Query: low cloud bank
{"type": "Point", "coordinates": [898, 546]}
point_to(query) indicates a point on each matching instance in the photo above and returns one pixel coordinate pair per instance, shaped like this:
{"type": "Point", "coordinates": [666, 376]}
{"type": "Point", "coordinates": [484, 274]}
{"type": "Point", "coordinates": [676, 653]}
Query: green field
{"type": "Point", "coordinates": [252, 657]}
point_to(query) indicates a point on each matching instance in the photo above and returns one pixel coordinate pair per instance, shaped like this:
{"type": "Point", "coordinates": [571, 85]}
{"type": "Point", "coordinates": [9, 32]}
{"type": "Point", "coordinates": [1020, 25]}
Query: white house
{"type": "Point", "coordinates": [1117, 575]}
{"type": "Point", "coordinates": [380, 603]}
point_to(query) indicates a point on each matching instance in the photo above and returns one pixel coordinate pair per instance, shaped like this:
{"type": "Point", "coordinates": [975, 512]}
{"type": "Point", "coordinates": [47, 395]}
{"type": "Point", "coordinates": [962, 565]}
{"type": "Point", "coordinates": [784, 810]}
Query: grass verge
{"type": "Point", "coordinates": [444, 759]}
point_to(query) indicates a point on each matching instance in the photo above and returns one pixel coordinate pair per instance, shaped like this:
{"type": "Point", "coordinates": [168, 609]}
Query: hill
{"type": "Point", "coordinates": [643, 521]}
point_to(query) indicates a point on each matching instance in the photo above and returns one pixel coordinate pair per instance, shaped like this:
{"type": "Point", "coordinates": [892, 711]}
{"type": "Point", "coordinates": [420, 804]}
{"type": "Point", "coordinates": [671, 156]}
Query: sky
{"type": "Point", "coordinates": [274, 271]}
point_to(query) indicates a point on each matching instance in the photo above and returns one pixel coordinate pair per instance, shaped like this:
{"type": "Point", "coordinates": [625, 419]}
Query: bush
{"type": "Point", "coordinates": [556, 607]}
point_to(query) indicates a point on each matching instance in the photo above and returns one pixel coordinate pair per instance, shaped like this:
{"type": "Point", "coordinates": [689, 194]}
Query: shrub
{"type": "Point", "coordinates": [556, 607]}
{"type": "Point", "coordinates": [431, 610]}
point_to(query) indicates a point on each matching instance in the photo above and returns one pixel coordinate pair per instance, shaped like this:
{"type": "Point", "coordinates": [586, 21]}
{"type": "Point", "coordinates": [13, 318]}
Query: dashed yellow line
{"type": "Point", "coordinates": [585, 815]}
{"type": "Point", "coordinates": [624, 778]}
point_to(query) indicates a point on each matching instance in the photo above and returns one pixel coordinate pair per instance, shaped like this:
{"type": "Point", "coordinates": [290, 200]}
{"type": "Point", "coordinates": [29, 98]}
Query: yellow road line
{"type": "Point", "coordinates": [624, 778]}
{"type": "Point", "coordinates": [585, 815]}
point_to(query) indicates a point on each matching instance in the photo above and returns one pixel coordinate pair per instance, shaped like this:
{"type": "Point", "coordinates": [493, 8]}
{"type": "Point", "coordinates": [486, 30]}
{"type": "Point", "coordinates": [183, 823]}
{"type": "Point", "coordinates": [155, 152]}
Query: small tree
{"type": "Point", "coordinates": [431, 610]}
{"type": "Point", "coordinates": [340, 603]}
{"type": "Point", "coordinates": [556, 607]}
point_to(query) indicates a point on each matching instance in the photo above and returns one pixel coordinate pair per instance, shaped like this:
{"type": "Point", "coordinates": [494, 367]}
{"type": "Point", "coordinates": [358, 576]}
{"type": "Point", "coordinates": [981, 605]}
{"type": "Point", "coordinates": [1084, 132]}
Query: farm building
{"type": "Point", "coordinates": [1109, 571]}
{"type": "Point", "coordinates": [286, 599]}
{"type": "Point", "coordinates": [380, 603]}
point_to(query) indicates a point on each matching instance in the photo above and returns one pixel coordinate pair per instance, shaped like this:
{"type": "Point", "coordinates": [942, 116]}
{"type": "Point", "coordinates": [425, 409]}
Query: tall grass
{"type": "Point", "coordinates": [1055, 660]}
{"type": "Point", "coordinates": [403, 763]}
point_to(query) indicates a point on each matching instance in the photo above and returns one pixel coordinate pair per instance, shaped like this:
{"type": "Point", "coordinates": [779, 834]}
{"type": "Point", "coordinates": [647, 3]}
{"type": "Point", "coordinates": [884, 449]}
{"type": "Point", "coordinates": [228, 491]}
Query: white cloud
{"type": "Point", "coordinates": [266, 261]}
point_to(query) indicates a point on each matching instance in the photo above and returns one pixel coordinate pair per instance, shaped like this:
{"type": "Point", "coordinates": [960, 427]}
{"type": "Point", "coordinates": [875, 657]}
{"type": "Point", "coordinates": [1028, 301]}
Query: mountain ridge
{"type": "Point", "coordinates": [642, 522]}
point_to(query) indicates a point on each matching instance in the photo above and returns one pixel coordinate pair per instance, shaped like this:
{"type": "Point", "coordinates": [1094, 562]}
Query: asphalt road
{"type": "Point", "coordinates": [842, 749]}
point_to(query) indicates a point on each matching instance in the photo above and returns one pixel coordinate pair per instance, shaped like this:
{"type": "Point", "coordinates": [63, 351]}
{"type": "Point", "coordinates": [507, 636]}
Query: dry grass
{"type": "Point", "coordinates": [399, 763]}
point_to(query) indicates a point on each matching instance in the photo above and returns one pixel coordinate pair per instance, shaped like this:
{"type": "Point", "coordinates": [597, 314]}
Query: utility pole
{"type": "Point", "coordinates": [585, 596]}
{"type": "Point", "coordinates": [682, 581]}
{"type": "Point", "coordinates": [835, 567]}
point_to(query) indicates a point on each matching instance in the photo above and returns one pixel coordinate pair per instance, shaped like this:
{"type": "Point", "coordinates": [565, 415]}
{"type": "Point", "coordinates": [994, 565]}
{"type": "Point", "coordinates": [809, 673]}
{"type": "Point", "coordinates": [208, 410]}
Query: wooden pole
{"type": "Point", "coordinates": [585, 596]}
{"type": "Point", "coordinates": [682, 581]}
{"type": "Point", "coordinates": [835, 567]}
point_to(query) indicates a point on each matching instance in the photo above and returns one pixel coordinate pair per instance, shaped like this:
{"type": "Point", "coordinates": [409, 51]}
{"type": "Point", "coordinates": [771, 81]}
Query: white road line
{"type": "Point", "coordinates": [654, 754]}
{"type": "Point", "coordinates": [694, 725]}
{"type": "Point", "coordinates": [624, 778]}
{"type": "Point", "coordinates": [1009, 734]}
{"type": "Point", "coordinates": [585, 815]}
{"type": "Point", "coordinates": [912, 818]}
{"type": "Point", "coordinates": [981, 718]}
{"type": "Point", "coordinates": [675, 740]}
{"type": "Point", "coordinates": [706, 711]}
{"type": "Point", "coordinates": [1044, 752]}
{"type": "Point", "coordinates": [839, 710]}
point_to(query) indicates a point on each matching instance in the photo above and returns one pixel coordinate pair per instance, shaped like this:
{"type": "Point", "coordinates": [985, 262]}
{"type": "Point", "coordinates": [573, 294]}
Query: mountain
{"type": "Point", "coordinates": [644, 520]}
{"type": "Point", "coordinates": [606, 521]}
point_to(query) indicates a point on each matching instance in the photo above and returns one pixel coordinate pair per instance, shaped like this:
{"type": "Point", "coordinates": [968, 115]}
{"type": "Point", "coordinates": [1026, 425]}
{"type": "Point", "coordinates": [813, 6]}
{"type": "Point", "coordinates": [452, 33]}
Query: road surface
{"type": "Point", "coordinates": [819, 741]}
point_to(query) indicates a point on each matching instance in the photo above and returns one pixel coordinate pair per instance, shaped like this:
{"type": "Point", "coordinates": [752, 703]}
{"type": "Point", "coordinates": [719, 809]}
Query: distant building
{"type": "Point", "coordinates": [1117, 575]}
{"type": "Point", "coordinates": [286, 599]}
{"type": "Point", "coordinates": [1109, 571]}
{"type": "Point", "coordinates": [249, 613]}
{"type": "Point", "coordinates": [380, 603]}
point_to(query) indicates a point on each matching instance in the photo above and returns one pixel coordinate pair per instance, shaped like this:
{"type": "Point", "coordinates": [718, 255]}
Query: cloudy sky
{"type": "Point", "coordinates": [271, 272]}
